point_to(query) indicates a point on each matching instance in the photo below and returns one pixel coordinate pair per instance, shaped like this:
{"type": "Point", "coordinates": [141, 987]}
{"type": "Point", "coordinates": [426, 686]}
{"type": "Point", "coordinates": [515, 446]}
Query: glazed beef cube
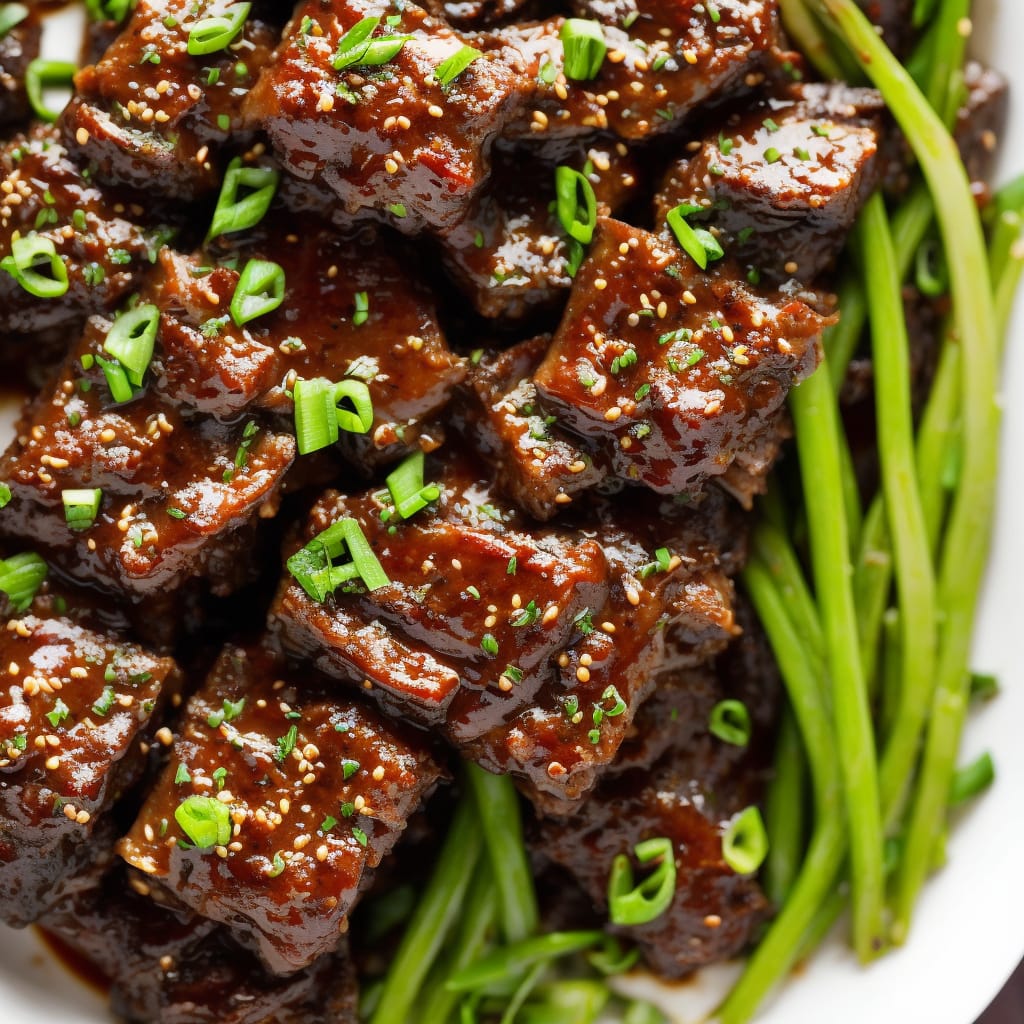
{"type": "Point", "coordinates": [894, 18]}
{"type": "Point", "coordinates": [307, 793]}
{"type": "Point", "coordinates": [511, 255]}
{"type": "Point", "coordinates": [980, 122]}
{"type": "Point", "coordinates": [103, 252]}
{"type": "Point", "coordinates": [671, 371]}
{"type": "Point", "coordinates": [75, 717]}
{"type": "Point", "coordinates": [176, 487]}
{"type": "Point", "coordinates": [690, 795]}
{"type": "Point", "coordinates": [149, 115]}
{"type": "Point", "coordinates": [783, 183]}
{"type": "Point", "coordinates": [388, 137]}
{"type": "Point", "coordinates": [490, 623]}
{"type": "Point", "coordinates": [540, 469]}
{"type": "Point", "coordinates": [19, 46]}
{"type": "Point", "coordinates": [477, 14]}
{"type": "Point", "coordinates": [673, 57]}
{"type": "Point", "coordinates": [168, 967]}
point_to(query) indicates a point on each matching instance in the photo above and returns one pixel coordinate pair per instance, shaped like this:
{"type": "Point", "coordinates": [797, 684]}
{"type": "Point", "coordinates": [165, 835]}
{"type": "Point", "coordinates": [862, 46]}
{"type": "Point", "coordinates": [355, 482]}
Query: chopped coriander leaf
{"type": "Point", "coordinates": [526, 616]}
{"type": "Point", "coordinates": [286, 744]}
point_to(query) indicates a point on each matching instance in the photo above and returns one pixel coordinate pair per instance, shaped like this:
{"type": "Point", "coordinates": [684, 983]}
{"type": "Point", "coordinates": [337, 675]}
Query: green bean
{"type": "Point", "coordinates": [966, 542]}
{"type": "Point", "coordinates": [915, 582]}
{"type": "Point", "coordinates": [498, 807]}
{"type": "Point", "coordinates": [777, 950]}
{"type": "Point", "coordinates": [817, 429]}
{"type": "Point", "coordinates": [511, 960]}
{"type": "Point", "coordinates": [433, 918]}
{"type": "Point", "coordinates": [785, 815]}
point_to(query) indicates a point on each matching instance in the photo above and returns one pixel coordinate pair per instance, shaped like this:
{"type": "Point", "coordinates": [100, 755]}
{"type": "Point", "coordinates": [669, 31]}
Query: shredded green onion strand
{"type": "Point", "coordinates": [745, 843]}
{"type": "Point", "coordinates": [260, 290]}
{"type": "Point", "coordinates": [358, 48]}
{"type": "Point", "coordinates": [81, 506]}
{"type": "Point", "coordinates": [730, 722]}
{"type": "Point", "coordinates": [245, 197]}
{"type": "Point", "coordinates": [21, 576]}
{"type": "Point", "coordinates": [11, 14]}
{"type": "Point", "coordinates": [450, 68]}
{"type": "Point", "coordinates": [42, 74]}
{"type": "Point", "coordinates": [584, 48]}
{"type": "Point", "coordinates": [630, 903]}
{"type": "Point", "coordinates": [131, 338]}
{"type": "Point", "coordinates": [575, 204]}
{"type": "Point", "coordinates": [510, 960]}
{"type": "Point", "coordinates": [699, 243]}
{"type": "Point", "coordinates": [29, 254]}
{"type": "Point", "coordinates": [212, 34]}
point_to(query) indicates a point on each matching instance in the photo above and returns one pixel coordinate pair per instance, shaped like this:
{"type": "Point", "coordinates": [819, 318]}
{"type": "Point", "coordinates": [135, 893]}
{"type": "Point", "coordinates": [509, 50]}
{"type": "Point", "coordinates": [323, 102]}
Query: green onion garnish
{"type": "Point", "coordinates": [213, 34]}
{"type": "Point", "coordinates": [357, 49]}
{"type": "Point", "coordinates": [349, 768]}
{"type": "Point", "coordinates": [701, 245]}
{"type": "Point", "coordinates": [260, 290]}
{"type": "Point", "coordinates": [968, 782]}
{"type": "Point", "coordinates": [576, 204]}
{"type": "Point", "coordinates": [730, 722]}
{"type": "Point", "coordinates": [313, 565]}
{"type": "Point", "coordinates": [59, 713]}
{"type": "Point", "coordinates": [117, 380]}
{"type": "Point", "coordinates": [205, 820]}
{"type": "Point", "coordinates": [5, 495]}
{"type": "Point", "coordinates": [745, 843]}
{"type": "Point", "coordinates": [11, 15]}
{"type": "Point", "coordinates": [407, 489]}
{"type": "Point", "coordinates": [130, 340]}
{"type": "Point", "coordinates": [450, 69]}
{"type": "Point", "coordinates": [630, 903]}
{"type": "Point", "coordinates": [237, 210]}
{"type": "Point", "coordinates": [104, 702]}
{"type": "Point", "coordinates": [21, 576]}
{"type": "Point", "coordinates": [286, 744]}
{"type": "Point", "coordinates": [319, 413]}
{"type": "Point", "coordinates": [41, 74]}
{"type": "Point", "coordinates": [109, 10]}
{"type": "Point", "coordinates": [28, 255]}
{"type": "Point", "coordinates": [81, 506]}
{"type": "Point", "coordinates": [584, 47]}
{"type": "Point", "coordinates": [362, 310]}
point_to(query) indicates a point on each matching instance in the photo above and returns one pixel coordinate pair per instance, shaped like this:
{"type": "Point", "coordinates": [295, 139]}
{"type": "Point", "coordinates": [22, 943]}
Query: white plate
{"type": "Point", "coordinates": [968, 933]}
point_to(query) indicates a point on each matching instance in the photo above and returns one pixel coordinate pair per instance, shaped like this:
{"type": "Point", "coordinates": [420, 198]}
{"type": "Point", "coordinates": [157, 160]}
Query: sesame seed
{"type": "Point", "coordinates": [404, 123]}
{"type": "Point", "coordinates": [390, 166]}
{"type": "Point", "coordinates": [689, 298]}
{"type": "Point", "coordinates": [562, 498]}
{"type": "Point", "coordinates": [550, 615]}
{"type": "Point", "coordinates": [612, 414]}
{"type": "Point", "coordinates": [600, 284]}
{"type": "Point", "coordinates": [608, 627]}
{"type": "Point", "coordinates": [378, 773]}
{"type": "Point", "coordinates": [301, 842]}
{"type": "Point", "coordinates": [586, 660]}
{"type": "Point", "coordinates": [321, 853]}
{"type": "Point", "coordinates": [164, 736]}
{"type": "Point", "coordinates": [712, 921]}
{"type": "Point", "coordinates": [52, 763]}
{"type": "Point", "coordinates": [578, 466]}
{"type": "Point", "coordinates": [633, 596]}
{"type": "Point", "coordinates": [435, 111]}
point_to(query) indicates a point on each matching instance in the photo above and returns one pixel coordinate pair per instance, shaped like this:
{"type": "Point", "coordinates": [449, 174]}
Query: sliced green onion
{"type": "Point", "coordinates": [213, 34]}
{"type": "Point", "coordinates": [81, 506]}
{"type": "Point", "coordinates": [41, 74]}
{"type": "Point", "coordinates": [313, 565]}
{"type": "Point", "coordinates": [730, 722]}
{"type": "Point", "coordinates": [745, 843]}
{"type": "Point", "coordinates": [629, 903]}
{"type": "Point", "coordinates": [356, 48]}
{"type": "Point", "coordinates": [130, 340]}
{"type": "Point", "coordinates": [930, 272]}
{"type": "Point", "coordinates": [976, 777]}
{"type": "Point", "coordinates": [316, 425]}
{"type": "Point", "coordinates": [359, 418]}
{"type": "Point", "coordinates": [105, 702]}
{"type": "Point", "coordinates": [5, 495]}
{"type": "Point", "coordinates": [584, 47]}
{"type": "Point", "coordinates": [576, 204]}
{"type": "Point", "coordinates": [260, 290]}
{"type": "Point", "coordinates": [643, 1013]}
{"type": "Point", "coordinates": [21, 576]}
{"type": "Point", "coordinates": [28, 255]}
{"type": "Point", "coordinates": [60, 713]}
{"type": "Point", "coordinates": [11, 15]}
{"type": "Point", "coordinates": [362, 310]}
{"type": "Point", "coordinates": [108, 10]}
{"type": "Point", "coordinates": [509, 961]}
{"type": "Point", "coordinates": [448, 70]}
{"type": "Point", "coordinates": [407, 489]}
{"type": "Point", "coordinates": [984, 686]}
{"type": "Point", "coordinates": [205, 820]}
{"type": "Point", "coordinates": [117, 380]}
{"type": "Point", "coordinates": [700, 244]}
{"type": "Point", "coordinates": [237, 210]}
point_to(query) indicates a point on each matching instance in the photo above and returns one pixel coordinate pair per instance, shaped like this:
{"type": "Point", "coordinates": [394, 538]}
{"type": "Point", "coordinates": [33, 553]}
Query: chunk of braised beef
{"type": "Point", "coordinates": [388, 138]}
{"type": "Point", "coordinates": [980, 122]}
{"type": "Point", "coordinates": [690, 795]}
{"type": "Point", "coordinates": [894, 18]}
{"type": "Point", "coordinates": [478, 14]}
{"type": "Point", "coordinates": [75, 720]}
{"type": "Point", "coordinates": [539, 468]}
{"type": "Point", "coordinates": [176, 486]}
{"type": "Point", "coordinates": [19, 46]}
{"type": "Point", "coordinates": [150, 115]}
{"type": "Point", "coordinates": [310, 790]}
{"type": "Point", "coordinates": [173, 967]}
{"type": "Point", "coordinates": [668, 370]}
{"type": "Point", "coordinates": [672, 57]}
{"type": "Point", "coordinates": [102, 250]}
{"type": "Point", "coordinates": [510, 255]}
{"type": "Point", "coordinates": [781, 184]}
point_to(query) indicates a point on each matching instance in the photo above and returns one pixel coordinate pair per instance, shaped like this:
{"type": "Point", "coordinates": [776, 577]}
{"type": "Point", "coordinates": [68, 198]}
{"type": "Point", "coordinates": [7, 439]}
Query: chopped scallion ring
{"type": "Point", "coordinates": [700, 244]}
{"type": "Point", "coordinates": [213, 34]}
{"type": "Point", "coordinates": [260, 290]}
{"type": "Point", "coordinates": [730, 722]}
{"type": "Point", "coordinates": [21, 576]}
{"type": "Point", "coordinates": [407, 489]}
{"type": "Point", "coordinates": [313, 565]}
{"type": "Point", "coordinates": [28, 255]}
{"type": "Point", "coordinates": [450, 69]}
{"type": "Point", "coordinates": [356, 48]}
{"type": "Point", "coordinates": [205, 820]}
{"type": "Point", "coordinates": [5, 495]}
{"type": "Point", "coordinates": [10, 16]}
{"type": "Point", "coordinates": [316, 425]}
{"type": "Point", "coordinates": [576, 204]}
{"type": "Point", "coordinates": [81, 506]}
{"type": "Point", "coordinates": [359, 418]}
{"type": "Point", "coordinates": [130, 340]}
{"type": "Point", "coordinates": [41, 74]}
{"type": "Point", "coordinates": [108, 10]}
{"type": "Point", "coordinates": [630, 903]}
{"type": "Point", "coordinates": [362, 311]}
{"type": "Point", "coordinates": [117, 380]}
{"type": "Point", "coordinates": [237, 211]}
{"type": "Point", "coordinates": [745, 843]}
{"type": "Point", "coordinates": [584, 47]}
